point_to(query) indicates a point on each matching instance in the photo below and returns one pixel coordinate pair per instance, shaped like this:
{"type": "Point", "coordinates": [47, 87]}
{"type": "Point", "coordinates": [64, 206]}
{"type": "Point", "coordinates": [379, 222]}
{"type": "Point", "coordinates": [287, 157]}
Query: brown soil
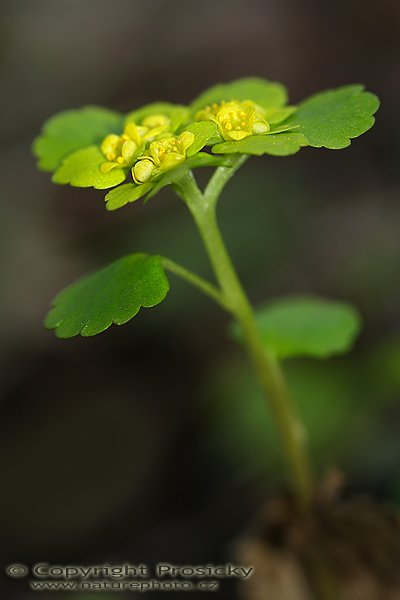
{"type": "Point", "coordinates": [343, 550]}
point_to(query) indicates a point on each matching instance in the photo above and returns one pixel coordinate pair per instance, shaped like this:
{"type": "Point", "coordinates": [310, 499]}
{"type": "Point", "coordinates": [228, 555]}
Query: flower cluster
{"type": "Point", "coordinates": [121, 150]}
{"type": "Point", "coordinates": [127, 150]}
{"type": "Point", "coordinates": [160, 138]}
{"type": "Point", "coordinates": [156, 144]}
{"type": "Point", "coordinates": [149, 148]}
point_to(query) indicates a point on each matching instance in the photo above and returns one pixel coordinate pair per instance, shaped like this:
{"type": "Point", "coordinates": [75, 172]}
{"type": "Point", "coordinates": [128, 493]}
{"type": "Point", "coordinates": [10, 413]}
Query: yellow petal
{"type": "Point", "coordinates": [151, 134]}
{"type": "Point", "coordinates": [171, 160]}
{"type": "Point", "coordinates": [160, 148]}
{"type": "Point", "coordinates": [109, 144]}
{"type": "Point", "coordinates": [153, 121]}
{"type": "Point", "coordinates": [134, 132]}
{"type": "Point", "coordinates": [128, 151]}
{"type": "Point", "coordinates": [142, 171]}
{"type": "Point", "coordinates": [261, 127]}
{"type": "Point", "coordinates": [185, 140]}
{"type": "Point", "coordinates": [238, 135]}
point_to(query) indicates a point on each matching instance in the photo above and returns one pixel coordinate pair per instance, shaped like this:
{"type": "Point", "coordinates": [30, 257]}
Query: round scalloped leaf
{"type": "Point", "coordinates": [71, 130]}
{"type": "Point", "coordinates": [307, 326]}
{"type": "Point", "coordinates": [114, 294]}
{"type": "Point", "coordinates": [281, 144]}
{"type": "Point", "coordinates": [178, 113]}
{"type": "Point", "coordinates": [124, 194]}
{"type": "Point", "coordinates": [332, 118]}
{"type": "Point", "coordinates": [82, 169]}
{"type": "Point", "coordinates": [266, 93]}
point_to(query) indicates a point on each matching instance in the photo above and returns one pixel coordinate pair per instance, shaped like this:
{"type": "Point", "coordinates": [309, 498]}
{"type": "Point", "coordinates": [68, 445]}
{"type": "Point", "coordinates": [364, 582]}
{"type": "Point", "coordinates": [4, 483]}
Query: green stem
{"type": "Point", "coordinates": [202, 207]}
{"type": "Point", "coordinates": [197, 281]}
{"type": "Point", "coordinates": [221, 177]}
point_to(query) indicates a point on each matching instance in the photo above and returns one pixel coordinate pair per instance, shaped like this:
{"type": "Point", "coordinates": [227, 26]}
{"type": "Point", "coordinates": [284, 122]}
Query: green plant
{"type": "Point", "coordinates": [159, 145]}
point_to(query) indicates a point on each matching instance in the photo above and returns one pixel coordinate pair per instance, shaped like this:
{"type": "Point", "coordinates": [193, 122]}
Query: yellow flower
{"type": "Point", "coordinates": [156, 124]}
{"type": "Point", "coordinates": [121, 150]}
{"type": "Point", "coordinates": [164, 154]}
{"type": "Point", "coordinates": [236, 120]}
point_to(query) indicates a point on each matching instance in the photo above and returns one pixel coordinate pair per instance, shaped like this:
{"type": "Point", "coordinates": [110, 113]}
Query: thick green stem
{"type": "Point", "coordinates": [202, 207]}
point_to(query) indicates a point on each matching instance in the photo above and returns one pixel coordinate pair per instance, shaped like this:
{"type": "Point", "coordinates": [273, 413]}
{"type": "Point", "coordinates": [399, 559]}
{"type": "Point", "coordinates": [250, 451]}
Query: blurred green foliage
{"type": "Point", "coordinates": [306, 326]}
{"type": "Point", "coordinates": [346, 406]}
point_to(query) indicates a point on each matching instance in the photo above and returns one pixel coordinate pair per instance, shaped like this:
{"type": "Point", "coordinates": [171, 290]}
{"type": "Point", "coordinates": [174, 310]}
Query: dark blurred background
{"type": "Point", "coordinates": [151, 442]}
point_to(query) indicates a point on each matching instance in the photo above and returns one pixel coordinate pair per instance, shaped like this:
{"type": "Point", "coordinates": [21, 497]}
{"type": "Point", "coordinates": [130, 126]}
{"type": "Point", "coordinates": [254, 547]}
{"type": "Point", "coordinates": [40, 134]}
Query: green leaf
{"type": "Point", "coordinates": [277, 115]}
{"type": "Point", "coordinates": [267, 94]}
{"type": "Point", "coordinates": [332, 118]}
{"type": "Point", "coordinates": [112, 295]}
{"type": "Point", "coordinates": [203, 132]}
{"type": "Point", "coordinates": [281, 144]}
{"type": "Point", "coordinates": [178, 113]}
{"type": "Point", "coordinates": [123, 194]}
{"type": "Point", "coordinates": [82, 169]}
{"type": "Point", "coordinates": [308, 326]}
{"type": "Point", "coordinates": [71, 130]}
{"type": "Point", "coordinates": [202, 159]}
